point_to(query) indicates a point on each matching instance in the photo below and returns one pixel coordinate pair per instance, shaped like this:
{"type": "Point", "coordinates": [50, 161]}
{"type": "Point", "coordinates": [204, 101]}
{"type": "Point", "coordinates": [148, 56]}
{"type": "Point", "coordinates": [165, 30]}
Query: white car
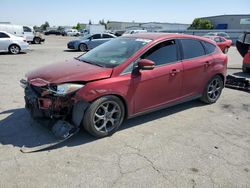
{"type": "Point", "coordinates": [72, 32]}
{"type": "Point", "coordinates": [11, 43]}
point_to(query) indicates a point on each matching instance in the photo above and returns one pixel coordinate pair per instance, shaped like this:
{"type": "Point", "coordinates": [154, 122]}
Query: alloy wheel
{"type": "Point", "coordinates": [107, 116]}
{"type": "Point", "coordinates": [14, 49]}
{"type": "Point", "coordinates": [214, 89]}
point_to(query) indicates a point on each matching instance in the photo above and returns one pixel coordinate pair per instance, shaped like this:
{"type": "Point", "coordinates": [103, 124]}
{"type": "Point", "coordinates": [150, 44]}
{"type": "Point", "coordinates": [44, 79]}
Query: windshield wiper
{"type": "Point", "coordinates": [89, 62]}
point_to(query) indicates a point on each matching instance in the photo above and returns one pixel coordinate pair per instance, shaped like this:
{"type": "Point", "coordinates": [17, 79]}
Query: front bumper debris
{"type": "Point", "coordinates": [236, 82]}
{"type": "Point", "coordinates": [62, 130]}
{"type": "Point", "coordinates": [66, 111]}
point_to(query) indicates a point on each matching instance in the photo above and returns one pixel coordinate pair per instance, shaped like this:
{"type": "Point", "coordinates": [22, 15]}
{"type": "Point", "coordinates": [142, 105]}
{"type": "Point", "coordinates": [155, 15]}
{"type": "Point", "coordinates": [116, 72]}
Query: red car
{"type": "Point", "coordinates": [222, 42]}
{"type": "Point", "coordinates": [126, 77]}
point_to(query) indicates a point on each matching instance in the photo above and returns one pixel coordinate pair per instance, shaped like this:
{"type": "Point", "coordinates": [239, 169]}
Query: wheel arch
{"type": "Point", "coordinates": [78, 46]}
{"type": "Point", "coordinates": [14, 44]}
{"type": "Point", "coordinates": [118, 96]}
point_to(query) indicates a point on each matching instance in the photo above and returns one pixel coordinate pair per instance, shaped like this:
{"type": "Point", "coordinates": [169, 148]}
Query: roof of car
{"type": "Point", "coordinates": [159, 36]}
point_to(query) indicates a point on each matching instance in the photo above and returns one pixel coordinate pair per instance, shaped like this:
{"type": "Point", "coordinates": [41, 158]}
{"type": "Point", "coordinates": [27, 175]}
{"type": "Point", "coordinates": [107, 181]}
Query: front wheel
{"type": "Point", "coordinates": [14, 49]}
{"type": "Point", "coordinates": [213, 90]}
{"type": "Point", "coordinates": [245, 70]}
{"type": "Point", "coordinates": [82, 47]}
{"type": "Point", "coordinates": [104, 116]}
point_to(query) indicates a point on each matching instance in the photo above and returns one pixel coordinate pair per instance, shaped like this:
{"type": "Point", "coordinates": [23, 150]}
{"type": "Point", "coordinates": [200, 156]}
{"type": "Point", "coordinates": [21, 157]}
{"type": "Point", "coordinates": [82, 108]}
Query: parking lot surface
{"type": "Point", "coordinates": [189, 145]}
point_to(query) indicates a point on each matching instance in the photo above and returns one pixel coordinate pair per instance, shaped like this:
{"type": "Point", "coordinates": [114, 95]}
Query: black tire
{"type": "Point", "coordinates": [14, 49]}
{"type": "Point", "coordinates": [37, 40]}
{"type": "Point", "coordinates": [212, 90]}
{"type": "Point", "coordinates": [82, 47]}
{"type": "Point", "coordinates": [104, 116]}
{"type": "Point", "coordinates": [245, 70]}
{"type": "Point", "coordinates": [225, 50]}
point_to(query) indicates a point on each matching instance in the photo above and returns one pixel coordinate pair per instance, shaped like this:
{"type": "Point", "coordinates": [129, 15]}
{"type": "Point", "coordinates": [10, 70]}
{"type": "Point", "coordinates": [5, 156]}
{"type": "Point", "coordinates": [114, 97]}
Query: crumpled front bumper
{"type": "Point", "coordinates": [54, 107]}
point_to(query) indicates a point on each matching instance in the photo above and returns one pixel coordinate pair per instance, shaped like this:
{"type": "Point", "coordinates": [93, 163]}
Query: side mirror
{"type": "Point", "coordinates": [145, 64]}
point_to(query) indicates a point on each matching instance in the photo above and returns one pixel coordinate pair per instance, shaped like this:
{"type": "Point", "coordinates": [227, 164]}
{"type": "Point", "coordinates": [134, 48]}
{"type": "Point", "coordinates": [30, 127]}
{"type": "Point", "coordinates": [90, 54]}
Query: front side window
{"type": "Point", "coordinates": [217, 39]}
{"type": "Point", "coordinates": [192, 48]}
{"type": "Point", "coordinates": [96, 36]}
{"type": "Point", "coordinates": [26, 29]}
{"type": "Point", "coordinates": [3, 35]}
{"type": "Point", "coordinates": [247, 39]}
{"type": "Point", "coordinates": [163, 53]}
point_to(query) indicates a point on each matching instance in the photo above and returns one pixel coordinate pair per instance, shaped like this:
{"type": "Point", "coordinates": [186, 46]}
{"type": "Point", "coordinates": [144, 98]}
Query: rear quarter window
{"type": "Point", "coordinates": [210, 48]}
{"type": "Point", "coordinates": [192, 48]}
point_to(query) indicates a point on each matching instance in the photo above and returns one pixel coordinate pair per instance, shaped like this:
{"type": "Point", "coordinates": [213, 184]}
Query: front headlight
{"type": "Point", "coordinates": [64, 89]}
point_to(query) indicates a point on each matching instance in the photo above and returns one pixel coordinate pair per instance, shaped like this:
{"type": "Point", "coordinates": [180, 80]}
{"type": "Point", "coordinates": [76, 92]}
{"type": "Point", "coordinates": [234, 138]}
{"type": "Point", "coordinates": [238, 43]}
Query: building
{"type": "Point", "coordinates": [150, 26]}
{"type": "Point", "coordinates": [115, 25]}
{"type": "Point", "coordinates": [234, 21]}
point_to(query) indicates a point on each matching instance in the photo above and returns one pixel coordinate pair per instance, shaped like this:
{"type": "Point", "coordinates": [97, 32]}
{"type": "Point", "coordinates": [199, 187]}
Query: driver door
{"type": "Point", "coordinates": [162, 85]}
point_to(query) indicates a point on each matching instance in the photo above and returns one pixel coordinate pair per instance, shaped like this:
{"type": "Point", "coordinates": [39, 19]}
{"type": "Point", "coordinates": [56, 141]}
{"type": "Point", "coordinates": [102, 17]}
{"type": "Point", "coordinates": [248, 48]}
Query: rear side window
{"type": "Point", "coordinates": [210, 48]}
{"type": "Point", "coordinates": [163, 53]}
{"type": "Point", "coordinates": [3, 35]}
{"type": "Point", "coordinates": [107, 36]}
{"type": "Point", "coordinates": [192, 48]}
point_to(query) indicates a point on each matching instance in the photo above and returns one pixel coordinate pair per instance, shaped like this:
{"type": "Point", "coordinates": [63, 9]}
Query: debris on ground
{"type": "Point", "coordinates": [236, 82]}
{"type": "Point", "coordinates": [62, 130]}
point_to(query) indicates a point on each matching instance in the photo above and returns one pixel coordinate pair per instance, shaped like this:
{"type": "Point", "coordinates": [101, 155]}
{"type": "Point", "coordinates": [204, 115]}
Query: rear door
{"type": "Point", "coordinates": [162, 85]}
{"type": "Point", "coordinates": [196, 67]}
{"type": "Point", "coordinates": [4, 42]}
{"type": "Point", "coordinates": [96, 40]}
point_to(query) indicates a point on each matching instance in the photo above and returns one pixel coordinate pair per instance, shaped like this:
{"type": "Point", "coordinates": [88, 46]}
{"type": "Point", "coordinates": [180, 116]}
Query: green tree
{"type": "Point", "coordinates": [45, 25]}
{"type": "Point", "coordinates": [78, 26]}
{"type": "Point", "coordinates": [200, 23]}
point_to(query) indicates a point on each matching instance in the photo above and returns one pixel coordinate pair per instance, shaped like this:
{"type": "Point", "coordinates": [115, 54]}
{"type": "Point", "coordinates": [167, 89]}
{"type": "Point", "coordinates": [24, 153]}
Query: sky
{"type": "Point", "coordinates": [70, 12]}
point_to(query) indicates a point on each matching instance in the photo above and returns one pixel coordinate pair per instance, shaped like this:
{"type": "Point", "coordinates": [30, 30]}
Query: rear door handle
{"type": "Point", "coordinates": [174, 72]}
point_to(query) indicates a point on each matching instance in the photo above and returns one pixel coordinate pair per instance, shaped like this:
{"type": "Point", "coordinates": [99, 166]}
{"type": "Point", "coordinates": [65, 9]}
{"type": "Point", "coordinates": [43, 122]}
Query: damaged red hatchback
{"type": "Point", "coordinates": [126, 77]}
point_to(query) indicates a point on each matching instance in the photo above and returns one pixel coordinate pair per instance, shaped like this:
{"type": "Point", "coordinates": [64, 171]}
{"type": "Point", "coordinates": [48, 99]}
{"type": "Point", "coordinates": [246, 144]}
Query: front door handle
{"type": "Point", "coordinates": [174, 72]}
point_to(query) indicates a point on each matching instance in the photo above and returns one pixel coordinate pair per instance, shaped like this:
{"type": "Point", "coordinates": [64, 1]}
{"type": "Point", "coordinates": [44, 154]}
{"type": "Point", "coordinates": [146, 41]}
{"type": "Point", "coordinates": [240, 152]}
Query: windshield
{"type": "Point", "coordinates": [114, 52]}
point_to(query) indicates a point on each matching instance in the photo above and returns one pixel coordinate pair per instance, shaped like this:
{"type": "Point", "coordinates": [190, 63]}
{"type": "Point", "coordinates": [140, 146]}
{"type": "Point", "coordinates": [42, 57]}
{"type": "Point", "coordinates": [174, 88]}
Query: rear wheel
{"type": "Point", "coordinates": [104, 116]}
{"type": "Point", "coordinates": [245, 69]}
{"type": "Point", "coordinates": [213, 90]}
{"type": "Point", "coordinates": [14, 49]}
{"type": "Point", "coordinates": [37, 40]}
{"type": "Point", "coordinates": [82, 47]}
{"type": "Point", "coordinates": [225, 50]}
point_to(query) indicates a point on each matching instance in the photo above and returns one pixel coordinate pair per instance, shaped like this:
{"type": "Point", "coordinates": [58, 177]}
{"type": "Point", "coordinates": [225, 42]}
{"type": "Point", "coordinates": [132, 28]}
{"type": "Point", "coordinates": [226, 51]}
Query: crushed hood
{"type": "Point", "coordinates": [69, 71]}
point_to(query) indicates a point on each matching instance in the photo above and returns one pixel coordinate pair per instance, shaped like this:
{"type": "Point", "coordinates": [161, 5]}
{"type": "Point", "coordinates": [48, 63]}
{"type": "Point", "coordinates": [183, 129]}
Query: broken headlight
{"type": "Point", "coordinates": [64, 89]}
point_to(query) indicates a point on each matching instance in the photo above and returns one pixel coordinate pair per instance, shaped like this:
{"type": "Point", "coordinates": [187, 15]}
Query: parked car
{"type": "Point", "coordinates": [11, 43]}
{"type": "Point", "coordinates": [126, 77]}
{"type": "Point", "coordinates": [53, 32]}
{"type": "Point", "coordinates": [222, 42]}
{"type": "Point", "coordinates": [89, 41]}
{"type": "Point", "coordinates": [243, 47]}
{"type": "Point", "coordinates": [23, 31]}
{"type": "Point", "coordinates": [129, 32]}
{"type": "Point", "coordinates": [71, 32]}
{"type": "Point", "coordinates": [221, 34]}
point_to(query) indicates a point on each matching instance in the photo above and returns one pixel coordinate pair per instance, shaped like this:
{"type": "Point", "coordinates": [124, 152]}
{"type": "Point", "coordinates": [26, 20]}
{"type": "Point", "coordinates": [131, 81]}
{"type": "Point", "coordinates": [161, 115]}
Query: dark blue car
{"type": "Point", "coordinates": [89, 42]}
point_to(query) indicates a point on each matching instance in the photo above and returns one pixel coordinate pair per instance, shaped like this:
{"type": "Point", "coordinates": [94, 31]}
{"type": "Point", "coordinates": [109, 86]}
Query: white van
{"type": "Point", "coordinates": [22, 31]}
{"type": "Point", "coordinates": [129, 32]}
